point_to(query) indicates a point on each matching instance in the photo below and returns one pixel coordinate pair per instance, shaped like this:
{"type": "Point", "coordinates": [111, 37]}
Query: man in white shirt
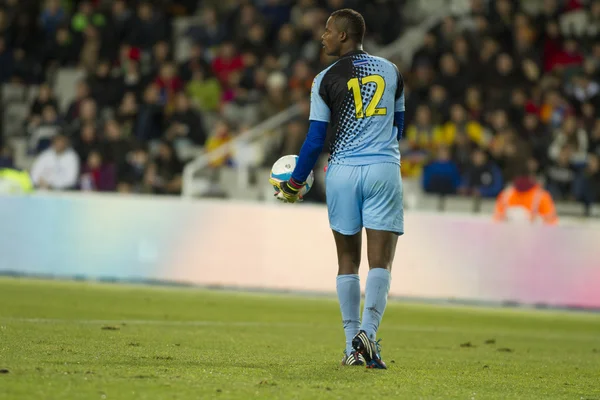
{"type": "Point", "coordinates": [56, 168]}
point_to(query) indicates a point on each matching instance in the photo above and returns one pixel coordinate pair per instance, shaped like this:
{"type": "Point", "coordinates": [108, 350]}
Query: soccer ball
{"type": "Point", "coordinates": [283, 168]}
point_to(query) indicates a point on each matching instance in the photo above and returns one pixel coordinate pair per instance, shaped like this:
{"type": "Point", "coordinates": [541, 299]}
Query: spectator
{"type": "Point", "coordinates": [86, 16]}
{"type": "Point", "coordinates": [56, 168]}
{"type": "Point", "coordinates": [185, 126]}
{"type": "Point", "coordinates": [133, 170]}
{"type": "Point", "coordinates": [210, 32]}
{"type": "Point", "coordinates": [560, 175]}
{"type": "Point", "coordinates": [220, 135]}
{"type": "Point", "coordinates": [150, 117]}
{"type": "Point", "coordinates": [164, 174]}
{"type": "Point", "coordinates": [441, 176]}
{"type": "Point", "coordinates": [86, 142]}
{"type": "Point", "coordinates": [115, 147]}
{"type": "Point", "coordinates": [227, 62]}
{"type": "Point", "coordinates": [595, 139]}
{"type": "Point", "coordinates": [587, 183]}
{"type": "Point", "coordinates": [575, 138]}
{"type": "Point", "coordinates": [127, 114]}
{"type": "Point", "coordinates": [168, 83]}
{"type": "Point", "coordinates": [459, 124]}
{"type": "Point", "coordinates": [97, 176]}
{"type": "Point", "coordinates": [6, 62]}
{"type": "Point", "coordinates": [147, 28]}
{"type": "Point", "coordinates": [204, 90]}
{"type": "Point", "coordinates": [42, 129]}
{"type": "Point", "coordinates": [196, 63]}
{"type": "Point", "coordinates": [424, 135]}
{"type": "Point", "coordinates": [536, 136]}
{"type": "Point", "coordinates": [44, 98]}
{"type": "Point", "coordinates": [6, 157]}
{"type": "Point", "coordinates": [52, 16]}
{"type": "Point", "coordinates": [82, 93]}
{"type": "Point", "coordinates": [482, 178]}
{"type": "Point", "coordinates": [62, 49]}
{"type": "Point", "coordinates": [525, 201]}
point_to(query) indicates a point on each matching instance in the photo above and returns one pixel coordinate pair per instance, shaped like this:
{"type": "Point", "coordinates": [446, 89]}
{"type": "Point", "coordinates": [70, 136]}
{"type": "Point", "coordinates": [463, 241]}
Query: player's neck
{"type": "Point", "coordinates": [350, 49]}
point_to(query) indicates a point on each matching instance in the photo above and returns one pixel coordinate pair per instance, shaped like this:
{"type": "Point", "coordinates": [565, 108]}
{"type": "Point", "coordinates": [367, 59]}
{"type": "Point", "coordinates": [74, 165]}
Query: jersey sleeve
{"type": "Point", "coordinates": [319, 111]}
{"type": "Point", "coordinates": [399, 103]}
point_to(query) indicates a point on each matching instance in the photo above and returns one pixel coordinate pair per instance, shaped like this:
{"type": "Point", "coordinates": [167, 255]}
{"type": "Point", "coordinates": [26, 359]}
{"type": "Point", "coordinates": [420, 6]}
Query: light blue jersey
{"type": "Point", "coordinates": [359, 96]}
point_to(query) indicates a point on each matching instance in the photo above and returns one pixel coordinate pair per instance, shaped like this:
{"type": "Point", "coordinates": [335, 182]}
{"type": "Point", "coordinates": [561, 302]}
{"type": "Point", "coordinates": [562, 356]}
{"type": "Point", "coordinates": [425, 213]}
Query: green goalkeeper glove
{"type": "Point", "coordinates": [287, 191]}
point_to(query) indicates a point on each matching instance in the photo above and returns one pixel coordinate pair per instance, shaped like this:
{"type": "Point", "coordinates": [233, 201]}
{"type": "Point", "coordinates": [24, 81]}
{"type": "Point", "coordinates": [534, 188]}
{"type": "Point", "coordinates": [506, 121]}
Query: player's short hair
{"type": "Point", "coordinates": [351, 22]}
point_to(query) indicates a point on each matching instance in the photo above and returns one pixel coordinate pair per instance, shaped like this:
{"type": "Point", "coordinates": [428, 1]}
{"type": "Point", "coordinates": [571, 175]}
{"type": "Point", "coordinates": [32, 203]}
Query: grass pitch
{"type": "Point", "coordinates": [62, 340]}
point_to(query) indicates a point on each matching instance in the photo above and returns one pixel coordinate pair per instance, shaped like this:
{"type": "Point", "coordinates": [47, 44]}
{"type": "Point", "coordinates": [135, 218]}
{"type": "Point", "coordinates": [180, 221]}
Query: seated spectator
{"type": "Point", "coordinates": [150, 116]}
{"type": "Point", "coordinates": [52, 16]}
{"type": "Point", "coordinates": [86, 16]}
{"type": "Point", "coordinates": [168, 83]}
{"type": "Point", "coordinates": [210, 32]}
{"type": "Point", "coordinates": [560, 175]}
{"type": "Point", "coordinates": [586, 186]}
{"type": "Point", "coordinates": [127, 114]}
{"type": "Point", "coordinates": [96, 175]}
{"type": "Point", "coordinates": [42, 129]}
{"type": "Point", "coordinates": [421, 141]}
{"type": "Point", "coordinates": [204, 90]}
{"type": "Point", "coordinates": [132, 171]}
{"type": "Point", "coordinates": [441, 176]}
{"type": "Point", "coordinates": [594, 146]}
{"type": "Point", "coordinates": [220, 135]}
{"type": "Point", "coordinates": [164, 174]}
{"type": "Point", "coordinates": [424, 134]}
{"type": "Point", "coordinates": [115, 147]}
{"type": "Point", "coordinates": [185, 126]}
{"type": "Point", "coordinates": [196, 62]}
{"type": "Point", "coordinates": [44, 98]}
{"type": "Point", "coordinates": [536, 136]}
{"type": "Point", "coordinates": [82, 92]}
{"type": "Point", "coordinates": [570, 135]}
{"type": "Point", "coordinates": [62, 50]}
{"type": "Point", "coordinates": [6, 157]}
{"type": "Point", "coordinates": [482, 177]}
{"type": "Point", "coordinates": [227, 62]}
{"type": "Point", "coordinates": [147, 27]}
{"type": "Point", "coordinates": [459, 123]}
{"type": "Point", "coordinates": [56, 168]}
{"type": "Point", "coordinates": [86, 142]}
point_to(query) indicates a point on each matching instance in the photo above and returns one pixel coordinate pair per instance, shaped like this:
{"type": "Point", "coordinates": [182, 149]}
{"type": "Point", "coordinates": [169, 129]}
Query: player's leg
{"type": "Point", "coordinates": [383, 219]}
{"type": "Point", "coordinates": [345, 220]}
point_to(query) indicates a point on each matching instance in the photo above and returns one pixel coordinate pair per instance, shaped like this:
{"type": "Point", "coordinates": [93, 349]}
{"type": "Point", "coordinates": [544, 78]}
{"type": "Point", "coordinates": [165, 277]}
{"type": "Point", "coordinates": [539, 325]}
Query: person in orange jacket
{"type": "Point", "coordinates": [525, 200]}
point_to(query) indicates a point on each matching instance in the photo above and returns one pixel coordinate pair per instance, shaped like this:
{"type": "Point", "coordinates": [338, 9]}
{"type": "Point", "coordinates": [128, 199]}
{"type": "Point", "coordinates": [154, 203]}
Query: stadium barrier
{"type": "Point", "coordinates": [242, 245]}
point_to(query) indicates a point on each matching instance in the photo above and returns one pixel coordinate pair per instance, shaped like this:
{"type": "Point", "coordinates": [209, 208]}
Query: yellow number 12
{"type": "Point", "coordinates": [353, 84]}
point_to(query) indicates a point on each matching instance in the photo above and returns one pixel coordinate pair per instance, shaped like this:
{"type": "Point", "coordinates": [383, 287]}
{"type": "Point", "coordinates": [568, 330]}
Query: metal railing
{"type": "Point", "coordinates": [205, 158]}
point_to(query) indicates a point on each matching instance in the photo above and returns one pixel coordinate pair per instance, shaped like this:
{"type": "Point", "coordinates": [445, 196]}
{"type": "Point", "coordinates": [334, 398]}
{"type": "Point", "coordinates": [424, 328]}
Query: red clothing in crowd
{"type": "Point", "coordinates": [223, 67]}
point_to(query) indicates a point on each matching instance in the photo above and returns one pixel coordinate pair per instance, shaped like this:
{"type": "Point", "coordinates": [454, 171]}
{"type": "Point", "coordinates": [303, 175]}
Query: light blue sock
{"type": "Point", "coordinates": [376, 293]}
{"type": "Point", "coordinates": [348, 290]}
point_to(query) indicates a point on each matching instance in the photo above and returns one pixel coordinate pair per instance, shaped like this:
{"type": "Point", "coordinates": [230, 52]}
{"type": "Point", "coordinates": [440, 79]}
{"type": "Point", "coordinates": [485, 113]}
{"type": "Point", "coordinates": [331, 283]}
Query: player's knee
{"type": "Point", "coordinates": [380, 262]}
{"type": "Point", "coordinates": [348, 264]}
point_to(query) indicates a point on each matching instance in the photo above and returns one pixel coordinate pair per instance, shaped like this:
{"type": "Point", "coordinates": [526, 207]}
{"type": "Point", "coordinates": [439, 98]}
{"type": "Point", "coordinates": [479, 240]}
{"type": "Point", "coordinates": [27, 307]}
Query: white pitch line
{"type": "Point", "coordinates": [396, 327]}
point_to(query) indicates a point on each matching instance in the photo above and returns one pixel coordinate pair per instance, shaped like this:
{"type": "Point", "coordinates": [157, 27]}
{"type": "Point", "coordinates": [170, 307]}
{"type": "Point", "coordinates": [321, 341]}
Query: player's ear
{"type": "Point", "coordinates": [343, 36]}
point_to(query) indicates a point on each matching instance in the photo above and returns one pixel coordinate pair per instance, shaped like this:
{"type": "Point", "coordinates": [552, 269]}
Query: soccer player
{"type": "Point", "coordinates": [360, 100]}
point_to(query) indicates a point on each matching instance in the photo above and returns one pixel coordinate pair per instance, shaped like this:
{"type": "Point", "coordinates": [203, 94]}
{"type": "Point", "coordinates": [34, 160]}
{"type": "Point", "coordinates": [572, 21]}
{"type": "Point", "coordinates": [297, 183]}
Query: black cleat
{"type": "Point", "coordinates": [369, 350]}
{"type": "Point", "coordinates": [354, 359]}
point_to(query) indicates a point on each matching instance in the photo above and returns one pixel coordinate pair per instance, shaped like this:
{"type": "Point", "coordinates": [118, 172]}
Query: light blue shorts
{"type": "Point", "coordinates": [367, 196]}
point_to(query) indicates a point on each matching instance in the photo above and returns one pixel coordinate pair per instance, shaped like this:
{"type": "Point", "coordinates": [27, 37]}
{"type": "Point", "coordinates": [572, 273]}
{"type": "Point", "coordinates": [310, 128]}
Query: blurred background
{"type": "Point", "coordinates": [199, 98]}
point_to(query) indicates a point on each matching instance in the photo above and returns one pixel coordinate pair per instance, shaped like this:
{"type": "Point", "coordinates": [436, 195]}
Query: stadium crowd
{"type": "Point", "coordinates": [498, 93]}
{"type": "Point", "coordinates": [488, 94]}
{"type": "Point", "coordinates": [137, 110]}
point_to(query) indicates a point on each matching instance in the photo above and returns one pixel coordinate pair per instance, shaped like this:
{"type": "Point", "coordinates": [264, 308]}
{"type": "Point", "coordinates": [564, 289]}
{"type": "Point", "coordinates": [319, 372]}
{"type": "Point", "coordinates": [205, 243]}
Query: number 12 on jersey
{"type": "Point", "coordinates": [372, 109]}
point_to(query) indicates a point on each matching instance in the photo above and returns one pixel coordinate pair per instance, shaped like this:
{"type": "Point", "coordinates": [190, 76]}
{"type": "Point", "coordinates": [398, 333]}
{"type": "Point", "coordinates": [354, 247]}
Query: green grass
{"type": "Point", "coordinates": [61, 340]}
